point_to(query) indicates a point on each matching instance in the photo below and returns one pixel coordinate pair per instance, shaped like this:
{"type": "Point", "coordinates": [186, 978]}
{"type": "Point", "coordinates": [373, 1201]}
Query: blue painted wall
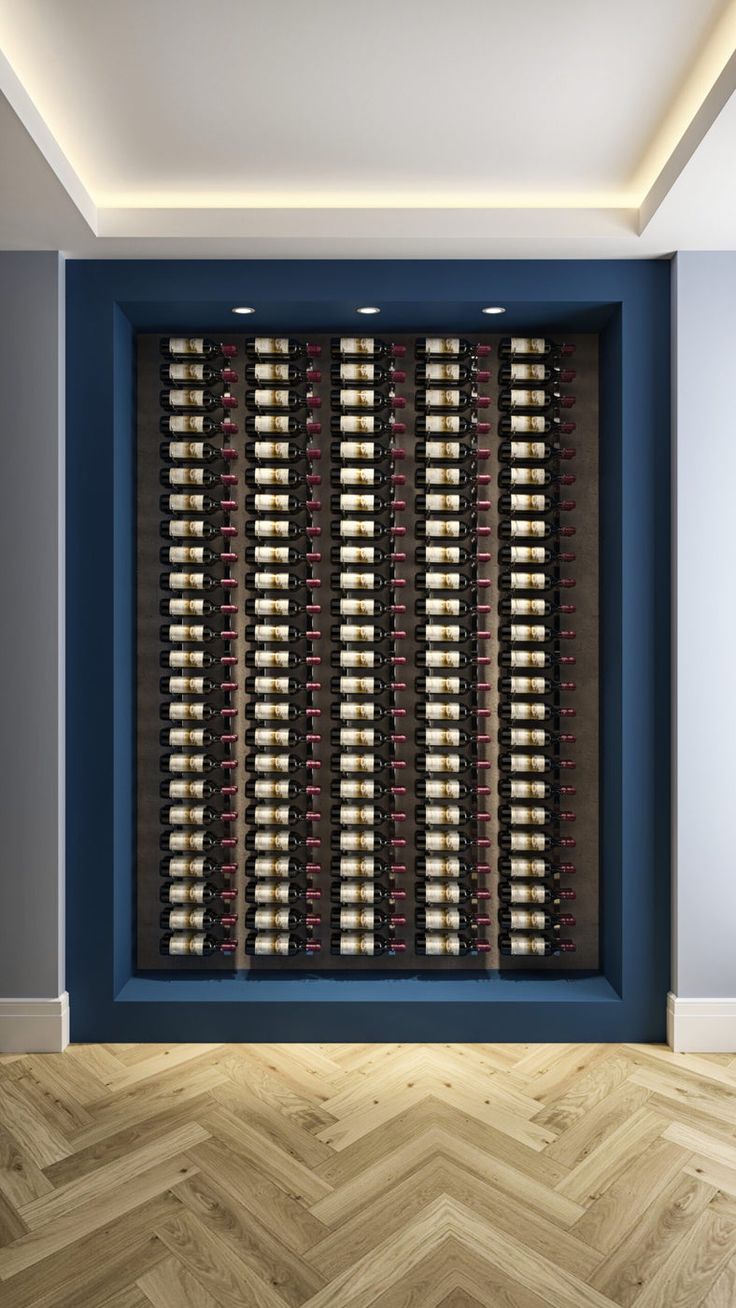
{"type": "Point", "coordinates": [628, 303]}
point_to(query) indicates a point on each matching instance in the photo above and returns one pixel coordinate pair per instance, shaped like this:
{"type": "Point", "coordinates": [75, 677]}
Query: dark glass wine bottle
{"type": "Point", "coordinates": [279, 945]}
{"type": "Point", "coordinates": [449, 944]}
{"type": "Point", "coordinates": [453, 347]}
{"type": "Point", "coordinates": [532, 347]}
{"type": "Point", "coordinates": [536, 946]}
{"type": "Point", "coordinates": [195, 347]}
{"type": "Point", "coordinates": [194, 944]}
{"type": "Point", "coordinates": [279, 424]}
{"type": "Point", "coordinates": [364, 347]}
{"type": "Point", "coordinates": [367, 944]}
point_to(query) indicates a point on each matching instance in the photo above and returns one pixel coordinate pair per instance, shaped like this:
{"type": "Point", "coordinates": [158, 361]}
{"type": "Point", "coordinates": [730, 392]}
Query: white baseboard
{"type": "Point", "coordinates": [34, 1026]}
{"type": "Point", "coordinates": [701, 1026]}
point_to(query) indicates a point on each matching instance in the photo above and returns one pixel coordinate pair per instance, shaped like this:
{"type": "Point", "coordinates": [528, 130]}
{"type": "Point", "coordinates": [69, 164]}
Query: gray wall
{"type": "Point", "coordinates": [31, 666]}
{"type": "Point", "coordinates": [704, 453]}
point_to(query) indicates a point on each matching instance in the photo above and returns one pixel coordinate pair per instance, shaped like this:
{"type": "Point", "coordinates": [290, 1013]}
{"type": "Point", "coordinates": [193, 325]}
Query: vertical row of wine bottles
{"type": "Point", "coordinates": [282, 850]}
{"type": "Point", "coordinates": [197, 586]}
{"type": "Point", "coordinates": [449, 636]}
{"type": "Point", "coordinates": [364, 510]}
{"type": "Point", "coordinates": [536, 618]}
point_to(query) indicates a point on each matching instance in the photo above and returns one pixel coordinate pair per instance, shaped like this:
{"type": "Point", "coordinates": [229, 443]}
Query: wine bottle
{"type": "Point", "coordinates": [532, 632]}
{"type": "Point", "coordinates": [370, 814]}
{"type": "Point", "coordinates": [447, 763]}
{"type": "Point", "coordinates": [282, 815]}
{"type": "Point", "coordinates": [362, 476]}
{"type": "Point", "coordinates": [269, 632]}
{"type": "Point", "coordinates": [366, 865]}
{"type": "Point", "coordinates": [194, 475]}
{"type": "Point", "coordinates": [350, 632]}
{"type": "Point", "coordinates": [186, 555]}
{"type": "Point", "coordinates": [533, 946]}
{"type": "Point", "coordinates": [265, 685]}
{"type": "Point", "coordinates": [532, 737]}
{"type": "Point", "coordinates": [192, 399]}
{"type": "Point", "coordinates": [278, 347]}
{"type": "Point", "coordinates": [451, 815]}
{"type": "Point", "coordinates": [450, 866]}
{"type": "Point", "coordinates": [200, 737]}
{"type": "Point", "coordinates": [194, 581]}
{"type": "Point", "coordinates": [450, 944]}
{"type": "Point", "coordinates": [364, 347]}
{"type": "Point", "coordinates": [533, 658]}
{"type": "Point", "coordinates": [183, 841]}
{"type": "Point", "coordinates": [196, 424]}
{"type": "Point", "coordinates": [195, 633]}
{"type": "Point", "coordinates": [194, 919]}
{"type": "Point", "coordinates": [452, 632]}
{"type": "Point", "coordinates": [536, 892]}
{"type": "Point", "coordinates": [196, 944]}
{"type": "Point", "coordinates": [280, 398]}
{"type": "Point", "coordinates": [192, 685]}
{"type": "Point", "coordinates": [538, 581]}
{"type": "Point", "coordinates": [449, 399]}
{"type": "Point", "coordinates": [279, 945]}
{"type": "Point", "coordinates": [515, 607]}
{"type": "Point", "coordinates": [278, 554]}
{"type": "Point", "coordinates": [197, 866]}
{"type": "Point", "coordinates": [447, 892]}
{"type": "Point", "coordinates": [350, 502]}
{"type": "Point", "coordinates": [453, 840]}
{"type": "Point", "coordinates": [351, 397]}
{"type": "Point", "coordinates": [532, 842]}
{"type": "Point", "coordinates": [373, 423]}
{"type": "Point", "coordinates": [521, 399]}
{"type": "Point", "coordinates": [513, 424]}
{"type": "Point", "coordinates": [446, 475]}
{"type": "Point", "coordinates": [201, 373]}
{"type": "Point", "coordinates": [277, 711]}
{"type": "Point", "coordinates": [288, 581]}
{"type": "Point", "coordinates": [277, 841]}
{"type": "Point", "coordinates": [260, 788]}
{"type": "Point", "coordinates": [278, 658]}
{"type": "Point", "coordinates": [279, 424]}
{"type": "Point", "coordinates": [198, 711]}
{"type": "Point", "coordinates": [265, 528]}
{"type": "Point", "coordinates": [534, 816]}
{"type": "Point", "coordinates": [281, 764]}
{"type": "Point", "coordinates": [456, 372]}
{"type": "Point", "coordinates": [448, 452]}
{"type": "Point", "coordinates": [195, 347]}
{"type": "Point", "coordinates": [278, 867]}
{"type": "Point", "coordinates": [457, 581]}
{"type": "Point", "coordinates": [517, 475]}
{"type": "Point", "coordinates": [449, 686]}
{"type": "Point", "coordinates": [178, 607]}
{"type": "Point", "coordinates": [365, 372]}
{"type": "Point", "coordinates": [256, 374]}
{"type": "Point", "coordinates": [363, 711]}
{"type": "Point", "coordinates": [356, 762]}
{"type": "Point", "coordinates": [449, 919]}
{"type": "Point", "coordinates": [200, 789]}
{"type": "Point", "coordinates": [367, 944]}
{"type": "Point", "coordinates": [444, 711]}
{"type": "Point", "coordinates": [347, 685]}
{"type": "Point", "coordinates": [194, 452]}
{"type": "Point", "coordinates": [263, 737]}
{"type": "Point", "coordinates": [268, 918]}
{"type": "Point", "coordinates": [272, 607]}
{"type": "Point", "coordinates": [364, 918]}
{"type": "Point", "coordinates": [357, 607]}
{"type": "Point", "coordinates": [539, 373]}
{"type": "Point", "coordinates": [533, 919]}
{"type": "Point", "coordinates": [193, 658]}
{"type": "Point", "coordinates": [368, 737]}
{"type": "Point", "coordinates": [266, 475]}
{"type": "Point", "coordinates": [362, 658]}
{"type": "Point", "coordinates": [185, 528]}
{"type": "Point", "coordinates": [447, 788]}
{"type": "Point", "coordinates": [511, 502]}
{"type": "Point", "coordinates": [511, 451]}
{"type": "Point", "coordinates": [450, 424]}
{"type": "Point", "coordinates": [536, 711]}
{"type": "Point", "coordinates": [194, 891]}
{"type": "Point", "coordinates": [534, 762]}
{"type": "Point", "coordinates": [365, 788]}
{"type": "Point", "coordinates": [270, 502]}
{"type": "Point", "coordinates": [367, 451]}
{"type": "Point", "coordinates": [535, 347]}
{"type": "Point", "coordinates": [278, 892]}
{"type": "Point", "coordinates": [441, 528]}
{"type": "Point", "coordinates": [521, 788]}
{"type": "Point", "coordinates": [453, 346]}
{"type": "Point", "coordinates": [287, 451]}
{"type": "Point", "coordinates": [534, 868]}
{"type": "Point", "coordinates": [450, 658]}
{"type": "Point", "coordinates": [200, 763]}
{"type": "Point", "coordinates": [532, 554]}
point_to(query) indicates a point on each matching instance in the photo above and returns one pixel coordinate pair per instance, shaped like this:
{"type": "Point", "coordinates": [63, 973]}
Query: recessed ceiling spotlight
{"type": "Point", "coordinates": [494, 308]}
{"type": "Point", "coordinates": [368, 308]}
{"type": "Point", "coordinates": [243, 308]}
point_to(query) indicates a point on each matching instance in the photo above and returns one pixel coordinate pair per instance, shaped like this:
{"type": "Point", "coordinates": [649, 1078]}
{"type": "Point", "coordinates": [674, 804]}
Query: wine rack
{"type": "Point", "coordinates": [346, 631]}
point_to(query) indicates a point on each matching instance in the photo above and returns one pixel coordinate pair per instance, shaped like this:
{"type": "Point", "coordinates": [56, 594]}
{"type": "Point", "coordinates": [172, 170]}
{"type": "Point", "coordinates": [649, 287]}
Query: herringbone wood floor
{"type": "Point", "coordinates": [431, 1176]}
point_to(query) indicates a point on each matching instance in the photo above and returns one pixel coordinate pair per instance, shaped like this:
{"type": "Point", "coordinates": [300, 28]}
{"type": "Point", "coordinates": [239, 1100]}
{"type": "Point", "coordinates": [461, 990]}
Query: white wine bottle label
{"type": "Point", "coordinates": [527, 762]}
{"type": "Point", "coordinates": [271, 345]}
{"type": "Point", "coordinates": [357, 789]}
{"type": "Point", "coordinates": [271, 449]}
{"type": "Point", "coordinates": [357, 867]}
{"type": "Point", "coordinates": [442, 399]}
{"type": "Point", "coordinates": [269, 866]}
{"type": "Point", "coordinates": [527, 894]}
{"type": "Point", "coordinates": [442, 554]}
{"type": "Point", "coordinates": [189, 527]}
{"type": "Point", "coordinates": [528, 476]}
{"type": "Point", "coordinates": [357, 736]}
{"type": "Point", "coordinates": [350, 840]}
{"type": "Point", "coordinates": [433, 631]}
{"type": "Point", "coordinates": [186, 477]}
{"type": "Point", "coordinates": [357, 685]}
{"type": "Point", "coordinates": [186, 580]}
{"type": "Point", "coordinates": [442, 503]}
{"type": "Point", "coordinates": [355, 477]}
{"type": "Point", "coordinates": [272, 658]}
{"type": "Point", "coordinates": [357, 372]}
{"type": "Point", "coordinates": [186, 554]}
{"type": "Point", "coordinates": [187, 399]}
{"type": "Point", "coordinates": [271, 736]}
{"type": "Point", "coordinates": [268, 814]}
{"type": "Point", "coordinates": [447, 945]}
{"type": "Point", "coordinates": [528, 945]}
{"type": "Point", "coordinates": [442, 344]}
{"type": "Point", "coordinates": [265, 503]}
{"type": "Point", "coordinates": [358, 712]}
{"type": "Point", "coordinates": [271, 789]}
{"type": "Point", "coordinates": [271, 919]}
{"type": "Point", "coordinates": [271, 580]}
{"type": "Point", "coordinates": [442, 815]}
{"type": "Point", "coordinates": [527, 372]}
{"type": "Point", "coordinates": [349, 632]}
{"type": "Point", "coordinates": [439, 893]}
{"type": "Point", "coordinates": [358, 422]}
{"type": "Point", "coordinates": [266, 631]}
{"type": "Point", "coordinates": [357, 919]}
{"type": "Point", "coordinates": [271, 608]}
{"type": "Point", "coordinates": [530, 527]}
{"type": "Point", "coordinates": [186, 633]}
{"type": "Point", "coordinates": [528, 581]}
{"type": "Point", "coordinates": [527, 608]}
{"type": "Point", "coordinates": [441, 527]}
{"type": "Point", "coordinates": [527, 422]}
{"type": "Point", "coordinates": [527, 790]}
{"type": "Point", "coordinates": [183, 840]}
{"type": "Point", "coordinates": [182, 815]}
{"type": "Point", "coordinates": [187, 945]}
{"type": "Point", "coordinates": [268, 372]}
{"type": "Point", "coordinates": [186, 422]}
{"type": "Point", "coordinates": [357, 814]}
{"type": "Point", "coordinates": [357, 345]}
{"type": "Point", "coordinates": [442, 919]}
{"type": "Point", "coordinates": [524, 920]}
{"type": "Point", "coordinates": [357, 503]}
{"type": "Point", "coordinates": [357, 658]}
{"type": "Point", "coordinates": [271, 763]}
{"type": "Point", "coordinates": [271, 685]}
{"type": "Point", "coordinates": [275, 422]}
{"type": "Point", "coordinates": [442, 736]}
{"type": "Point", "coordinates": [271, 477]}
{"type": "Point", "coordinates": [179, 608]}
{"type": "Point", "coordinates": [358, 944]}
{"type": "Point", "coordinates": [357, 399]}
{"type": "Point", "coordinates": [439, 422]}
{"type": "Point", "coordinates": [524, 632]}
{"type": "Point", "coordinates": [443, 476]}
{"type": "Point", "coordinates": [442, 789]}
{"type": "Point", "coordinates": [442, 685]}
{"type": "Point", "coordinates": [357, 763]}
{"type": "Point", "coordinates": [535, 817]}
{"type": "Point", "coordinates": [442, 658]}
{"type": "Point", "coordinates": [276, 894]}
{"type": "Point", "coordinates": [442, 372]}
{"type": "Point", "coordinates": [268, 398]}
{"type": "Point", "coordinates": [278, 945]}
{"type": "Point", "coordinates": [186, 919]}
{"type": "Point", "coordinates": [442, 839]}
{"type": "Point", "coordinates": [186, 658]}
{"type": "Point", "coordinates": [528, 867]}
{"type": "Point", "coordinates": [442, 762]}
{"type": "Point", "coordinates": [521, 840]}
{"type": "Point", "coordinates": [186, 736]}
{"type": "Point", "coordinates": [357, 553]}
{"type": "Point", "coordinates": [186, 345]}
{"type": "Point", "coordinates": [527, 554]}
{"type": "Point", "coordinates": [523, 399]}
{"type": "Point", "coordinates": [186, 503]}
{"type": "Point", "coordinates": [358, 580]}
{"type": "Point", "coordinates": [443, 867]}
{"type": "Point", "coordinates": [187, 867]}
{"type": "Point", "coordinates": [527, 658]}
{"type": "Point", "coordinates": [271, 840]}
{"type": "Point", "coordinates": [528, 344]}
{"type": "Point", "coordinates": [357, 527]}
{"type": "Point", "coordinates": [527, 736]}
{"type": "Point", "coordinates": [272, 554]}
{"type": "Point", "coordinates": [443, 580]}
{"type": "Point", "coordinates": [527, 503]}
{"type": "Point", "coordinates": [526, 712]}
{"type": "Point", "coordinates": [186, 892]}
{"type": "Point", "coordinates": [358, 449]}
{"type": "Point", "coordinates": [186, 763]}
{"type": "Point", "coordinates": [442, 449]}
{"type": "Point", "coordinates": [186, 790]}
{"type": "Point", "coordinates": [186, 450]}
{"type": "Point", "coordinates": [438, 608]}
{"type": "Point", "coordinates": [443, 712]}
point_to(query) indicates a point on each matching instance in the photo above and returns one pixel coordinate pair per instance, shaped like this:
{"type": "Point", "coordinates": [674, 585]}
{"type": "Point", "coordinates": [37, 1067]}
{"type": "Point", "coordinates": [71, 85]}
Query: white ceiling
{"type": "Point", "coordinates": [278, 127]}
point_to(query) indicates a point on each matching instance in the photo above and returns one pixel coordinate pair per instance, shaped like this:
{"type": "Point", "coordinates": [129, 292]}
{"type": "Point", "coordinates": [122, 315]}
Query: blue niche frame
{"type": "Point", "coordinates": [627, 302]}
